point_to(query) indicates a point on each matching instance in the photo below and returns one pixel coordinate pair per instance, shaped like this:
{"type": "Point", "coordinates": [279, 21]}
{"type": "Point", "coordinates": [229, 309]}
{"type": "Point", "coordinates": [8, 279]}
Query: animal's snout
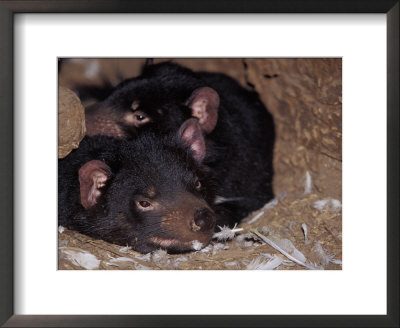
{"type": "Point", "coordinates": [203, 220]}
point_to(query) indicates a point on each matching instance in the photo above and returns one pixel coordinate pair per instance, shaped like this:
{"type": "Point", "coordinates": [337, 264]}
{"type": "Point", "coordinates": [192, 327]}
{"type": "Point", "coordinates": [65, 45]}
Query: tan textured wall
{"type": "Point", "coordinates": [305, 98]}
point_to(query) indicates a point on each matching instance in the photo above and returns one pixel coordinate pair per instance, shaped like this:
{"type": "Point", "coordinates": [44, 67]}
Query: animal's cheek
{"type": "Point", "coordinates": [103, 126]}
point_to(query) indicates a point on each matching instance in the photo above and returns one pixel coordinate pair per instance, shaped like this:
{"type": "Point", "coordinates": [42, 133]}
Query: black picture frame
{"type": "Point", "coordinates": [11, 7]}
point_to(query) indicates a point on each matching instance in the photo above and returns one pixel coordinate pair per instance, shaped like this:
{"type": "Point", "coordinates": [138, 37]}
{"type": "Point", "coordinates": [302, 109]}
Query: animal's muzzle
{"type": "Point", "coordinates": [203, 220]}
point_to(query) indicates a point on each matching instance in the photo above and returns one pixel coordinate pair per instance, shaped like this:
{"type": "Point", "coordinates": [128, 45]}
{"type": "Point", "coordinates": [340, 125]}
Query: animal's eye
{"type": "Point", "coordinates": [144, 203]}
{"type": "Point", "coordinates": [197, 185]}
{"type": "Point", "coordinates": [140, 117]}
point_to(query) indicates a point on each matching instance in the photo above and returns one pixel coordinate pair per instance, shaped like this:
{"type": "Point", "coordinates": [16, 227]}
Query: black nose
{"type": "Point", "coordinates": [204, 220]}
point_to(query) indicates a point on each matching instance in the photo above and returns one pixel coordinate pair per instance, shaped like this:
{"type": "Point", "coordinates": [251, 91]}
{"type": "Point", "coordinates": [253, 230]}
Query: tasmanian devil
{"type": "Point", "coordinates": [150, 192]}
{"type": "Point", "coordinates": [238, 128]}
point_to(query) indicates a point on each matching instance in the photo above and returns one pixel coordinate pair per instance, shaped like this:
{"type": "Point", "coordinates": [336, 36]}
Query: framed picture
{"type": "Point", "coordinates": [250, 147]}
{"type": "Point", "coordinates": [268, 39]}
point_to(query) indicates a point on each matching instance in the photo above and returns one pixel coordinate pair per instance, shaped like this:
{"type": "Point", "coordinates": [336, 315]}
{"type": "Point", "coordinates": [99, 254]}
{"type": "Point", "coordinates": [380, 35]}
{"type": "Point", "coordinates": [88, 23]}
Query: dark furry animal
{"type": "Point", "coordinates": [150, 192]}
{"type": "Point", "coordinates": [239, 130]}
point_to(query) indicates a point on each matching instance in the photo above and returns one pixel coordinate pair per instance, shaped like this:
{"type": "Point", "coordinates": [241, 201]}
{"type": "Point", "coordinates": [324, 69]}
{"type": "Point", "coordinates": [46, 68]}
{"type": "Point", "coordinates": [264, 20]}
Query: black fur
{"type": "Point", "coordinates": [240, 147]}
{"type": "Point", "coordinates": [160, 161]}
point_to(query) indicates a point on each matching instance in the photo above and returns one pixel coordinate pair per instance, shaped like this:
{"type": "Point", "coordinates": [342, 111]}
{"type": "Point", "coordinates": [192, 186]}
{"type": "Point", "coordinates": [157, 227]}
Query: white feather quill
{"type": "Point", "coordinates": [256, 217]}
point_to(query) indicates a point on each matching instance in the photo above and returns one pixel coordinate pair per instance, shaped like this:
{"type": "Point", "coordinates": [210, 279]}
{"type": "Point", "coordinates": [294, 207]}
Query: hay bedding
{"type": "Point", "coordinates": [304, 96]}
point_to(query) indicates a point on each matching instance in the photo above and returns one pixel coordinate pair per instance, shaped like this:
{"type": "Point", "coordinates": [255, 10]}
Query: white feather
{"type": "Point", "coordinates": [336, 205]}
{"type": "Point", "coordinates": [125, 249]}
{"type": "Point", "coordinates": [248, 243]}
{"type": "Point", "coordinates": [242, 237]}
{"type": "Point", "coordinates": [160, 257]}
{"type": "Point", "coordinates": [324, 257]}
{"type": "Point", "coordinates": [321, 204]}
{"type": "Point", "coordinates": [339, 262]}
{"type": "Point", "coordinates": [305, 230]}
{"type": "Point", "coordinates": [60, 229]}
{"type": "Point", "coordinates": [122, 259]}
{"type": "Point", "coordinates": [220, 199]}
{"type": "Point", "coordinates": [226, 233]}
{"type": "Point", "coordinates": [196, 245]}
{"type": "Point", "coordinates": [80, 258]}
{"type": "Point", "coordinates": [255, 218]}
{"type": "Point", "coordinates": [308, 184]}
{"type": "Point", "coordinates": [284, 262]}
{"type": "Point", "coordinates": [260, 264]}
{"type": "Point", "coordinates": [271, 204]}
{"type": "Point", "coordinates": [145, 257]}
{"type": "Point", "coordinates": [287, 248]}
{"type": "Point", "coordinates": [333, 205]}
{"type": "Point", "coordinates": [206, 249]}
{"type": "Point", "coordinates": [218, 247]}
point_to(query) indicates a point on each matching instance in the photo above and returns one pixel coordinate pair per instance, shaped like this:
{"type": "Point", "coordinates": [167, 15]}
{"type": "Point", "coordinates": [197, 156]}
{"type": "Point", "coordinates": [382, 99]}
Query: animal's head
{"type": "Point", "coordinates": [163, 97]}
{"type": "Point", "coordinates": [159, 197]}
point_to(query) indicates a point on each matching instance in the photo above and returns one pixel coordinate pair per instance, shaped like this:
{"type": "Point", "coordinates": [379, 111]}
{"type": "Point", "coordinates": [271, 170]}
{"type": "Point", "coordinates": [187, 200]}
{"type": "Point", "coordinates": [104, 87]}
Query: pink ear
{"type": "Point", "coordinates": [92, 177]}
{"type": "Point", "coordinates": [191, 135]}
{"type": "Point", "coordinates": [204, 103]}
